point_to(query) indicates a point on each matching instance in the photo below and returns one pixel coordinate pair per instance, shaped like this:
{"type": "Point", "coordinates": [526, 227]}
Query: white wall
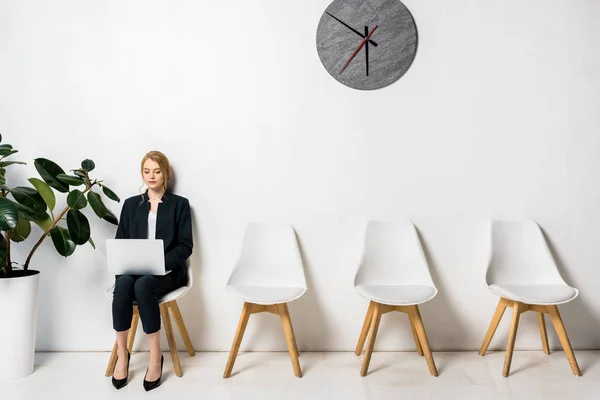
{"type": "Point", "coordinates": [496, 118]}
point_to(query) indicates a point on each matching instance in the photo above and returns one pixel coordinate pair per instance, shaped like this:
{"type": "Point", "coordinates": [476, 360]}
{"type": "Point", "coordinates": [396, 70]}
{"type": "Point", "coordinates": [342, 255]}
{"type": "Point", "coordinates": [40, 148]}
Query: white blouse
{"type": "Point", "coordinates": [151, 225]}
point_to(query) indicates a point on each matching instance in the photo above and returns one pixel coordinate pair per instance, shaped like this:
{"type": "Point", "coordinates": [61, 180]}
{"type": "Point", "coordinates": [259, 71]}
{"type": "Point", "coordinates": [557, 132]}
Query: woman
{"type": "Point", "coordinates": [156, 214]}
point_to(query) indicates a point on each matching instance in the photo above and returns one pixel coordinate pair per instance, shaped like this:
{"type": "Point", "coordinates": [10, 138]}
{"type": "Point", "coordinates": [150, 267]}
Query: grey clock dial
{"type": "Point", "coordinates": [366, 44]}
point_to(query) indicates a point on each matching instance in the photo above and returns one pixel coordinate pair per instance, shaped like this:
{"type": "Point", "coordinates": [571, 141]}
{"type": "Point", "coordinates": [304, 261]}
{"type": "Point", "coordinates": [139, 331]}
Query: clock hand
{"type": "Point", "coordinates": [358, 48]}
{"type": "Point", "coordinates": [367, 49]}
{"type": "Point", "coordinates": [351, 28]}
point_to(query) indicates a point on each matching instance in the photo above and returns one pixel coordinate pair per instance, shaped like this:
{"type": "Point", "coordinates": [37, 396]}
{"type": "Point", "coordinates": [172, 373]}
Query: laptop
{"type": "Point", "coordinates": [135, 256]}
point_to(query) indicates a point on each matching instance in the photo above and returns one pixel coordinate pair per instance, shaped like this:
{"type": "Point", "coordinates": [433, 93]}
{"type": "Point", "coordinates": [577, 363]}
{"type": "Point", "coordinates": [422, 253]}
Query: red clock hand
{"type": "Point", "coordinates": [358, 49]}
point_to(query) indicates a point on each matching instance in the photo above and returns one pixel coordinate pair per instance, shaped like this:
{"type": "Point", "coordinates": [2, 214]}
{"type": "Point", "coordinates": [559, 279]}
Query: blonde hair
{"type": "Point", "coordinates": [163, 163]}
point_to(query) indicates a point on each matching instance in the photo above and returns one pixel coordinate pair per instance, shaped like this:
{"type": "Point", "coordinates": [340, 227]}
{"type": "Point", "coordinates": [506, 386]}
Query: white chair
{"type": "Point", "coordinates": [268, 274]}
{"type": "Point", "coordinates": [522, 272]}
{"type": "Point", "coordinates": [167, 303]}
{"type": "Point", "coordinates": [394, 276]}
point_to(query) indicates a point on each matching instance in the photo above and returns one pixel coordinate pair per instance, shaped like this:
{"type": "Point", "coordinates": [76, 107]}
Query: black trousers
{"type": "Point", "coordinates": [145, 290]}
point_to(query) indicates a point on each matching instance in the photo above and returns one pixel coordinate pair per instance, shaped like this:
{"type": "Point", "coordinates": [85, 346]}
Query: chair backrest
{"type": "Point", "coordinates": [393, 255]}
{"type": "Point", "coordinates": [520, 255]}
{"type": "Point", "coordinates": [270, 257]}
{"type": "Point", "coordinates": [190, 282]}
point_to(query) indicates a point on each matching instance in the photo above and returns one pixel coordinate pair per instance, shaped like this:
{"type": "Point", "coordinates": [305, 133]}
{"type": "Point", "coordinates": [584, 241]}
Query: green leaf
{"type": "Point", "coordinates": [88, 165]}
{"type": "Point", "coordinates": [2, 251]}
{"type": "Point", "coordinates": [7, 163]}
{"type": "Point", "coordinates": [80, 173]}
{"type": "Point", "coordinates": [45, 191]}
{"type": "Point", "coordinates": [76, 199]}
{"type": "Point", "coordinates": [6, 150]}
{"type": "Point", "coordinates": [62, 241]}
{"type": "Point", "coordinates": [10, 153]}
{"type": "Point", "coordinates": [97, 204]}
{"type": "Point", "coordinates": [112, 218]}
{"type": "Point", "coordinates": [48, 170]}
{"type": "Point", "coordinates": [44, 222]}
{"type": "Point", "coordinates": [70, 179]}
{"type": "Point", "coordinates": [92, 243]}
{"type": "Point", "coordinates": [21, 231]}
{"type": "Point", "coordinates": [79, 226]}
{"type": "Point", "coordinates": [27, 213]}
{"type": "Point", "coordinates": [2, 179]}
{"type": "Point", "coordinates": [110, 194]}
{"type": "Point", "coordinates": [9, 215]}
{"type": "Point", "coordinates": [30, 198]}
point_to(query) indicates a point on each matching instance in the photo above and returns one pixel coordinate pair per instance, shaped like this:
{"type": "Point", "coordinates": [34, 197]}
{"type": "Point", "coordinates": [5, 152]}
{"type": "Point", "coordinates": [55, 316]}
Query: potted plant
{"type": "Point", "coordinates": [20, 207]}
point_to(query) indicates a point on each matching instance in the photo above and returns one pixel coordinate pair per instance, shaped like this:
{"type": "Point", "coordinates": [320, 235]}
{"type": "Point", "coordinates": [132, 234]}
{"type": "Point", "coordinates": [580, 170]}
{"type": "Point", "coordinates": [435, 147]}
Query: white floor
{"type": "Point", "coordinates": [330, 376]}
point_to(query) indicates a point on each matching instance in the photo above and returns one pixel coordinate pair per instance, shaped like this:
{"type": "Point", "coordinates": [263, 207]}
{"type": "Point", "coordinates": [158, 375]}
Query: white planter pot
{"type": "Point", "coordinates": [18, 320]}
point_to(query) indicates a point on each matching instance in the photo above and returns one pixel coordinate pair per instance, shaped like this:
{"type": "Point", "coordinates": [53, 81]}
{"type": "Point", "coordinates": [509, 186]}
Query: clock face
{"type": "Point", "coordinates": [366, 44]}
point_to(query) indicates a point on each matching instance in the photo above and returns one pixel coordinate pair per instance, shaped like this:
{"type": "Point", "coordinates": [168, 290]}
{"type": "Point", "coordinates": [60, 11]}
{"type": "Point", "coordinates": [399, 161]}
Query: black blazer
{"type": "Point", "coordinates": [173, 226]}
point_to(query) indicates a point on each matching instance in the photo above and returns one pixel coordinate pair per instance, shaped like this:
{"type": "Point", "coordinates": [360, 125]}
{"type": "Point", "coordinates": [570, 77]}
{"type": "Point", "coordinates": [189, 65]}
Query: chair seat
{"type": "Point", "coordinates": [397, 295]}
{"type": "Point", "coordinates": [266, 294]}
{"type": "Point", "coordinates": [536, 294]}
{"type": "Point", "coordinates": [174, 295]}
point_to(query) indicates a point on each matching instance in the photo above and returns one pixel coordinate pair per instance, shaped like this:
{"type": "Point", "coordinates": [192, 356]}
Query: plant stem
{"type": "Point", "coordinates": [39, 242]}
{"type": "Point", "coordinates": [45, 234]}
{"type": "Point", "coordinates": [8, 266]}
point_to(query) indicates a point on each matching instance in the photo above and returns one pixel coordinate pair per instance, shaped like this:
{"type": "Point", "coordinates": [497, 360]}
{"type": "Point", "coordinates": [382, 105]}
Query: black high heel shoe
{"type": "Point", "coordinates": [149, 385]}
{"type": "Point", "coordinates": [119, 383]}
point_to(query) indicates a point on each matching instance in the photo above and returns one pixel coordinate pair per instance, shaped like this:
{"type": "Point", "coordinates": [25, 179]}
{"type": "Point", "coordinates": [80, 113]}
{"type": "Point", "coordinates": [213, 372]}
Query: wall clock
{"type": "Point", "coordinates": [366, 44]}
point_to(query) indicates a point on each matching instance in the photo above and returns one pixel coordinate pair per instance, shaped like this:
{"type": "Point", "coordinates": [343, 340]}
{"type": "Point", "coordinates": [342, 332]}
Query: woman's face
{"type": "Point", "coordinates": [153, 176]}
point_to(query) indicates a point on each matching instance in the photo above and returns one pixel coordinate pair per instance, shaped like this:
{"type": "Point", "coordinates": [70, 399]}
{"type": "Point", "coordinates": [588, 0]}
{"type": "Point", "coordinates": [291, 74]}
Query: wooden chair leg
{"type": "Point", "coordinates": [365, 329]}
{"type": "Point", "coordinates": [564, 338]}
{"type": "Point", "coordinates": [290, 339]}
{"type": "Point", "coordinates": [543, 333]}
{"type": "Point", "coordinates": [296, 351]}
{"type": "Point", "coordinates": [415, 335]}
{"type": "Point", "coordinates": [112, 362]}
{"type": "Point", "coordinates": [493, 326]}
{"type": "Point", "coordinates": [422, 336]}
{"type": "Point", "coordinates": [294, 342]}
{"type": "Point", "coordinates": [174, 307]}
{"type": "Point", "coordinates": [374, 326]}
{"type": "Point", "coordinates": [237, 340]}
{"type": "Point", "coordinates": [110, 369]}
{"type": "Point", "coordinates": [512, 336]}
{"type": "Point", "coordinates": [164, 310]}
